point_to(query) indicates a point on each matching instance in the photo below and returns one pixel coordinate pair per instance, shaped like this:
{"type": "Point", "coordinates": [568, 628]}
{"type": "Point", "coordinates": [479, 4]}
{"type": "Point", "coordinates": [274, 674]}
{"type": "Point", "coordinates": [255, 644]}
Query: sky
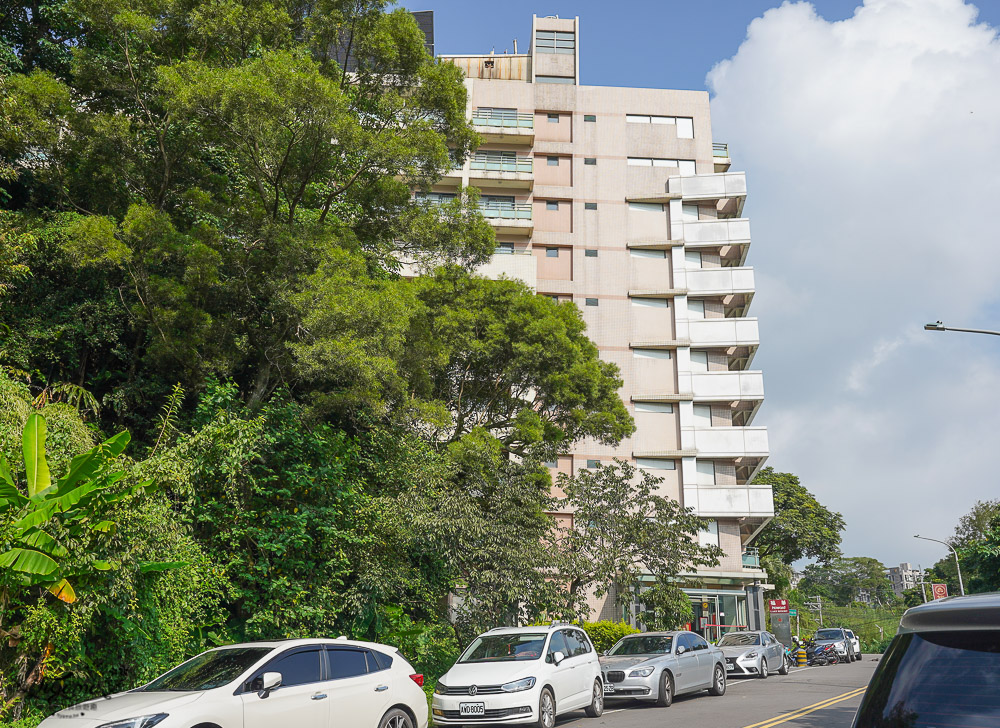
{"type": "Point", "coordinates": [870, 135]}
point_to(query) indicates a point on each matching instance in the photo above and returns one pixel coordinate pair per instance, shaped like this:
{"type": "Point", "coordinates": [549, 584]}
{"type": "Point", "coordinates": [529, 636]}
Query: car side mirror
{"type": "Point", "coordinates": [681, 650]}
{"type": "Point", "coordinates": [268, 682]}
{"type": "Point", "coordinates": [558, 657]}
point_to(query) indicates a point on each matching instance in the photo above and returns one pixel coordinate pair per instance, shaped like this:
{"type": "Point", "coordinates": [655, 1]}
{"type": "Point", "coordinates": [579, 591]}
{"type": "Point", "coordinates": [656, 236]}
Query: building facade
{"type": "Point", "coordinates": [904, 577]}
{"type": "Point", "coordinates": [617, 200]}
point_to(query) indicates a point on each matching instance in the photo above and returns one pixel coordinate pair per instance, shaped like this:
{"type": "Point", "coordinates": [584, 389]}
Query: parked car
{"type": "Point", "coordinates": [756, 653]}
{"type": "Point", "coordinates": [521, 675]}
{"type": "Point", "coordinates": [300, 683]}
{"type": "Point", "coordinates": [839, 639]}
{"type": "Point", "coordinates": [854, 641]}
{"type": "Point", "coordinates": [656, 666]}
{"type": "Point", "coordinates": [940, 669]}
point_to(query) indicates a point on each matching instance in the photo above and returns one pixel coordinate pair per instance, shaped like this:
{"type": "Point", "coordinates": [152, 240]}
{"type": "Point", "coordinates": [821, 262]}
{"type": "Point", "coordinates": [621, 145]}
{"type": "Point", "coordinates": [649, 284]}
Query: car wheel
{"type": "Point", "coordinates": [718, 682]}
{"type": "Point", "coordinates": [784, 665]}
{"type": "Point", "coordinates": [762, 670]}
{"type": "Point", "coordinates": [666, 695]}
{"type": "Point", "coordinates": [596, 707]}
{"type": "Point", "coordinates": [396, 718]}
{"type": "Point", "coordinates": [546, 709]}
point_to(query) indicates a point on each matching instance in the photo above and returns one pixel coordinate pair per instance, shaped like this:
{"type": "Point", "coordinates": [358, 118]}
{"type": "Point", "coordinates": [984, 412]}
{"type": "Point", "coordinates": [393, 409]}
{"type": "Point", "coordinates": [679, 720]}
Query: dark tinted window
{"type": "Point", "coordinates": [698, 643]}
{"type": "Point", "coordinates": [382, 660]}
{"type": "Point", "coordinates": [642, 646]}
{"type": "Point", "coordinates": [209, 670]}
{"type": "Point", "coordinates": [829, 634]}
{"type": "Point", "coordinates": [685, 641]}
{"type": "Point", "coordinates": [574, 643]}
{"type": "Point", "coordinates": [557, 644]}
{"type": "Point", "coordinates": [584, 642]}
{"type": "Point", "coordinates": [298, 668]}
{"type": "Point", "coordinates": [346, 663]}
{"type": "Point", "coordinates": [936, 680]}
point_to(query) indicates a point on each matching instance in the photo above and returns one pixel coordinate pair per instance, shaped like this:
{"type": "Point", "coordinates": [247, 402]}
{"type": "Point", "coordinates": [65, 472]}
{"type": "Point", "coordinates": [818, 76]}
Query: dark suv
{"type": "Point", "coordinates": [941, 671]}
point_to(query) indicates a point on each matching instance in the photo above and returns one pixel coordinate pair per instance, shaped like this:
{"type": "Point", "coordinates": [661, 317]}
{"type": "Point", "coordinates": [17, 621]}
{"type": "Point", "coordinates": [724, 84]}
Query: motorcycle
{"type": "Point", "coordinates": [821, 654]}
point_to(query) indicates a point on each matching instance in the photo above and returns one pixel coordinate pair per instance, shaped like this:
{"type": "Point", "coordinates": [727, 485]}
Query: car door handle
{"type": "Point", "coordinates": [380, 688]}
{"type": "Point", "coordinates": [319, 696]}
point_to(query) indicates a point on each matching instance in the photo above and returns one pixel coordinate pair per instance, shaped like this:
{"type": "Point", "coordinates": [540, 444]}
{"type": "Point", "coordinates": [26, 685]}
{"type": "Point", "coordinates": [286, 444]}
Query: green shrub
{"type": "Point", "coordinates": [604, 634]}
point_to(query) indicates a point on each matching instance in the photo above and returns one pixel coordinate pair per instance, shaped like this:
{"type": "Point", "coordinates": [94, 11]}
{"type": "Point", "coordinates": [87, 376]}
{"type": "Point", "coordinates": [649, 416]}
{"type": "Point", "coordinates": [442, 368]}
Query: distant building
{"type": "Point", "coordinates": [903, 577]}
{"type": "Point", "coordinates": [797, 577]}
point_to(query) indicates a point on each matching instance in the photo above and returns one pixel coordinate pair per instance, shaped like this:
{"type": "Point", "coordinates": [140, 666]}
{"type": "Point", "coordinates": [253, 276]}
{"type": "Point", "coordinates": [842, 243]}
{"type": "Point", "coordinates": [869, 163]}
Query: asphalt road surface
{"type": "Point", "coordinates": [809, 697]}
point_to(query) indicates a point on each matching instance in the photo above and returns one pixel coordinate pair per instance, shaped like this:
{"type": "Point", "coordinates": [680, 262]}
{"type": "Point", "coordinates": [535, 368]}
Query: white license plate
{"type": "Point", "coordinates": [472, 708]}
{"type": "Point", "coordinates": [730, 667]}
{"type": "Point", "coordinates": [608, 688]}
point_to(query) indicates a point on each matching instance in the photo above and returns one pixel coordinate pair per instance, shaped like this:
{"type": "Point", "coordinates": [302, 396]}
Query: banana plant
{"type": "Point", "coordinates": [46, 521]}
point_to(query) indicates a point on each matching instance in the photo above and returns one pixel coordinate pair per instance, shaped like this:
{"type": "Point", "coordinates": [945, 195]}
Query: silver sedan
{"type": "Point", "coordinates": [753, 653]}
{"type": "Point", "coordinates": [656, 666]}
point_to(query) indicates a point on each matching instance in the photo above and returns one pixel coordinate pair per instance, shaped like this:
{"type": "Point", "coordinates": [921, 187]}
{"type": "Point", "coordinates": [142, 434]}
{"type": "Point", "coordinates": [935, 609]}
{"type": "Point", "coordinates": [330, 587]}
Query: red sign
{"type": "Point", "coordinates": [778, 606]}
{"type": "Point", "coordinates": [939, 591]}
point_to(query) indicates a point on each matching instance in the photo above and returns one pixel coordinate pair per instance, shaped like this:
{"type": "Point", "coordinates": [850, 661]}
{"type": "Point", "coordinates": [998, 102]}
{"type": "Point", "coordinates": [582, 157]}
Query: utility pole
{"type": "Point", "coordinates": [816, 604]}
{"type": "Point", "coordinates": [923, 592]}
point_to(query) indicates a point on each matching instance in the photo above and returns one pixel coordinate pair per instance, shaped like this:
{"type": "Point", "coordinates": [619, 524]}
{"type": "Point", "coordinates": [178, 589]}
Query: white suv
{"type": "Point", "coordinates": [298, 683]}
{"type": "Point", "coordinates": [521, 675]}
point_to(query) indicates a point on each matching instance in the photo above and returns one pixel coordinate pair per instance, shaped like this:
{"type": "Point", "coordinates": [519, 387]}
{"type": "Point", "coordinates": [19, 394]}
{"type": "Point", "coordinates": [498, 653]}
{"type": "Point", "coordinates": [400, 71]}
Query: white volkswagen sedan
{"type": "Point", "coordinates": [297, 684]}
{"type": "Point", "coordinates": [521, 675]}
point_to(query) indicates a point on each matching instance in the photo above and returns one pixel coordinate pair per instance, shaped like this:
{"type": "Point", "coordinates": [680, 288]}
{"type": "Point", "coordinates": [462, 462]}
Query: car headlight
{"type": "Point", "coordinates": [750, 656]}
{"type": "Point", "coordinates": [642, 672]}
{"type": "Point", "coordinates": [518, 685]}
{"type": "Point", "coordinates": [440, 688]}
{"type": "Point", "coordinates": [842, 645]}
{"type": "Point", "coordinates": [143, 721]}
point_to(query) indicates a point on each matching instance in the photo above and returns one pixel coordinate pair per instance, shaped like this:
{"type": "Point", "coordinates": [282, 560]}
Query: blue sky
{"type": "Point", "coordinates": [651, 43]}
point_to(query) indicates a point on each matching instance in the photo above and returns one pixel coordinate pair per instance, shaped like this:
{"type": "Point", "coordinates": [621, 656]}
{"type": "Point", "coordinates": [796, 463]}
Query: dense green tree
{"type": "Point", "coordinates": [845, 580]}
{"type": "Point", "coordinates": [623, 529]}
{"type": "Point", "coordinates": [802, 527]}
{"type": "Point", "coordinates": [981, 559]}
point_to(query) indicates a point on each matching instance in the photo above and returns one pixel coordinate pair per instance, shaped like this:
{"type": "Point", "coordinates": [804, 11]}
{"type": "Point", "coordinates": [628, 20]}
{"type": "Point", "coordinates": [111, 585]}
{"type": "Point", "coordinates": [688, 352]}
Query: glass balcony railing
{"type": "Point", "coordinates": [506, 211]}
{"type": "Point", "coordinates": [507, 120]}
{"type": "Point", "coordinates": [720, 150]}
{"type": "Point", "coordinates": [490, 163]}
{"type": "Point", "coordinates": [751, 559]}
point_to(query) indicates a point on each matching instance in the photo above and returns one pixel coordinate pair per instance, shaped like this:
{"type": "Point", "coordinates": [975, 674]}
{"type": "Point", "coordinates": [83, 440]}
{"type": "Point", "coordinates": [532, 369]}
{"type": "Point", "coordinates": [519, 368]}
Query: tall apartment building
{"type": "Point", "coordinates": [617, 200]}
{"type": "Point", "coordinates": [904, 577]}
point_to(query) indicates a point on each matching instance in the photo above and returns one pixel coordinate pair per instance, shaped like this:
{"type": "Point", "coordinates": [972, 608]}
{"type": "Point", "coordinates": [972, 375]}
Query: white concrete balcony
{"type": "Point", "coordinates": [720, 157]}
{"type": "Point", "coordinates": [520, 266]}
{"type": "Point", "coordinates": [730, 501]}
{"type": "Point", "coordinates": [489, 169]}
{"type": "Point", "coordinates": [721, 332]}
{"type": "Point", "coordinates": [734, 231]}
{"type": "Point", "coordinates": [713, 386]}
{"type": "Point", "coordinates": [720, 280]}
{"type": "Point", "coordinates": [730, 442]}
{"type": "Point", "coordinates": [504, 127]}
{"type": "Point", "coordinates": [508, 218]}
{"type": "Point", "coordinates": [720, 186]}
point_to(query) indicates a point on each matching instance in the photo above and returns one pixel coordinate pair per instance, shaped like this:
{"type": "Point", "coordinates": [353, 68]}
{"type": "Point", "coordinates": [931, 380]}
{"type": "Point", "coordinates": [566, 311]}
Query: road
{"type": "Point", "coordinates": [809, 697]}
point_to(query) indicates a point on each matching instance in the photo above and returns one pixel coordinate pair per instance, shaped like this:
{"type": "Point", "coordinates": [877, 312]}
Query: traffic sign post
{"type": "Point", "coordinates": [939, 591]}
{"type": "Point", "coordinates": [778, 606]}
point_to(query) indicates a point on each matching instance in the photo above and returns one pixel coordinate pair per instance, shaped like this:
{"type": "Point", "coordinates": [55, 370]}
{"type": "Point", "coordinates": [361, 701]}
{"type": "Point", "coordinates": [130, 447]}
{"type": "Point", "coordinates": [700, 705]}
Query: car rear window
{"type": "Point", "coordinates": [936, 680]}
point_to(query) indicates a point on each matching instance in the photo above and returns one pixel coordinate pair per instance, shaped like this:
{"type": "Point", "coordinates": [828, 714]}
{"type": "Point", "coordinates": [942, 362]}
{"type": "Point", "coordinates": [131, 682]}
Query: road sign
{"type": "Point", "coordinates": [939, 591]}
{"type": "Point", "coordinates": [793, 612]}
{"type": "Point", "coordinates": [778, 606]}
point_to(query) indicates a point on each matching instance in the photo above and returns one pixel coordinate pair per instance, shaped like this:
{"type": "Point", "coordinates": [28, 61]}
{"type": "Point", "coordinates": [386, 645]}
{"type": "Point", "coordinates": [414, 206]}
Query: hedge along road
{"type": "Point", "coordinates": [809, 697]}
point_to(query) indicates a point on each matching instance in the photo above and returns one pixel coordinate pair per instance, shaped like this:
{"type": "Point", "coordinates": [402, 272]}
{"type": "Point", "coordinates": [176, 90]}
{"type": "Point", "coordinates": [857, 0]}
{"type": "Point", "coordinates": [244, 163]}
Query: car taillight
{"type": "Point", "coordinates": [418, 679]}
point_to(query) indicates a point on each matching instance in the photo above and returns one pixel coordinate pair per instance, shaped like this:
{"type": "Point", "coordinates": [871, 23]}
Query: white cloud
{"type": "Point", "coordinates": [872, 153]}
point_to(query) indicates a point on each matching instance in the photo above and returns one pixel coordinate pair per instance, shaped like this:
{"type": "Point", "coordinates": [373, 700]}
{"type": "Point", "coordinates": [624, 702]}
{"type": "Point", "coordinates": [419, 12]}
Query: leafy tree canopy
{"type": "Point", "coordinates": [846, 580]}
{"type": "Point", "coordinates": [802, 527]}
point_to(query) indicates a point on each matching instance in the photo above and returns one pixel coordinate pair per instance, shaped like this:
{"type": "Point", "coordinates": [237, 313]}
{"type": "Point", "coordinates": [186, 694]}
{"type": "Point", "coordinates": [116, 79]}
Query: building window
{"type": "Point", "coordinates": [652, 354]}
{"type": "Point", "coordinates": [590, 117]}
{"type": "Point", "coordinates": [651, 302]}
{"type": "Point", "coordinates": [505, 248]}
{"type": "Point", "coordinates": [656, 464]}
{"type": "Point", "coordinates": [590, 253]}
{"type": "Point", "coordinates": [593, 463]}
{"type": "Point", "coordinates": [689, 212]}
{"type": "Point", "coordinates": [709, 535]}
{"type": "Point", "coordinates": [434, 198]}
{"type": "Point", "coordinates": [696, 309]}
{"type": "Point", "coordinates": [665, 408]}
{"type": "Point", "coordinates": [591, 301]}
{"type": "Point", "coordinates": [552, 296]}
{"type": "Point", "coordinates": [590, 160]}
{"type": "Point", "coordinates": [646, 206]}
{"type": "Point", "coordinates": [554, 79]}
{"type": "Point", "coordinates": [589, 205]}
{"type": "Point", "coordinates": [551, 463]}
{"type": "Point", "coordinates": [692, 258]}
{"type": "Point", "coordinates": [552, 204]}
{"type": "Point", "coordinates": [685, 127]}
{"type": "Point", "coordinates": [554, 41]}
{"type": "Point", "coordinates": [683, 124]}
{"type": "Point", "coordinates": [655, 254]}
{"type": "Point", "coordinates": [553, 118]}
{"type": "Point", "coordinates": [552, 252]}
{"type": "Point", "coordinates": [705, 472]}
{"type": "Point", "coordinates": [552, 161]}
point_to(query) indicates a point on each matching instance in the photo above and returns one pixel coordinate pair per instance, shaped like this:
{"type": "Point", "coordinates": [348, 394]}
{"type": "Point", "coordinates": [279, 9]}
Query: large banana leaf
{"type": "Point", "coordinates": [35, 466]}
{"type": "Point", "coordinates": [63, 591]}
{"type": "Point", "coordinates": [5, 475]}
{"type": "Point", "coordinates": [28, 561]}
{"type": "Point", "coordinates": [45, 543]}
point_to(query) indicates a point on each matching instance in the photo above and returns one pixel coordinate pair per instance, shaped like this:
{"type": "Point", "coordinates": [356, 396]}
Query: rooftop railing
{"type": "Point", "coordinates": [503, 119]}
{"type": "Point", "coordinates": [720, 149]}
{"type": "Point", "coordinates": [751, 559]}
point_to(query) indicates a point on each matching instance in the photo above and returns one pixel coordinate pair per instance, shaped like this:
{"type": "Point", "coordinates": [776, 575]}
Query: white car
{"type": "Point", "coordinates": [856, 642]}
{"type": "Point", "coordinates": [296, 683]}
{"type": "Point", "coordinates": [521, 675]}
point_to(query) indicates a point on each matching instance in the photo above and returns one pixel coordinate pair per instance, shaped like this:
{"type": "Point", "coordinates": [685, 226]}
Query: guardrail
{"type": "Point", "coordinates": [489, 163]}
{"type": "Point", "coordinates": [751, 559]}
{"type": "Point", "coordinates": [508, 120]}
{"type": "Point", "coordinates": [516, 211]}
{"type": "Point", "coordinates": [720, 149]}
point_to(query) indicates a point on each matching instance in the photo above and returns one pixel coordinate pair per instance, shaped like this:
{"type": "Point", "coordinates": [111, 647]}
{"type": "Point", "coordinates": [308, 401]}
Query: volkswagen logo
{"type": "Point", "coordinates": [473, 689]}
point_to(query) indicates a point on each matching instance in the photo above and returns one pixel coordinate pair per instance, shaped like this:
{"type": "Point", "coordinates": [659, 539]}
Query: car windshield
{"type": "Point", "coordinates": [659, 645]}
{"type": "Point", "coordinates": [939, 679]}
{"type": "Point", "coordinates": [208, 670]}
{"type": "Point", "coordinates": [505, 648]}
{"type": "Point", "coordinates": [739, 639]}
{"type": "Point", "coordinates": [829, 634]}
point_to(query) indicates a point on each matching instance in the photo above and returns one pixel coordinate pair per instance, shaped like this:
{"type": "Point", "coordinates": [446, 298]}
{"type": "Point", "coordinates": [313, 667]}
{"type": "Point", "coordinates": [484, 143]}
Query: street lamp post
{"type": "Point", "coordinates": [938, 326]}
{"type": "Point", "coordinates": [961, 586]}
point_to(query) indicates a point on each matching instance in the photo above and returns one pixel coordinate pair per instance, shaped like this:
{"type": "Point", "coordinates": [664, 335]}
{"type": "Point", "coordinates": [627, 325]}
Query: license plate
{"type": "Point", "coordinates": [730, 667]}
{"type": "Point", "coordinates": [608, 688]}
{"type": "Point", "coordinates": [472, 708]}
